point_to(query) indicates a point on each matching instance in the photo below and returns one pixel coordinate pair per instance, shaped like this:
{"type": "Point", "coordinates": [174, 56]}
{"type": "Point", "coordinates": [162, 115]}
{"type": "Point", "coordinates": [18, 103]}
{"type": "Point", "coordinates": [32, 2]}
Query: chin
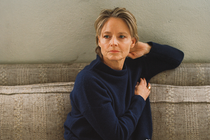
{"type": "Point", "coordinates": [116, 58]}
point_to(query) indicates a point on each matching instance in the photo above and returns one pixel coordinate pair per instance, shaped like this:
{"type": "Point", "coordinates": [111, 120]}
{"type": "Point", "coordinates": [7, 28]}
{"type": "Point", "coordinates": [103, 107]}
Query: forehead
{"type": "Point", "coordinates": [115, 25]}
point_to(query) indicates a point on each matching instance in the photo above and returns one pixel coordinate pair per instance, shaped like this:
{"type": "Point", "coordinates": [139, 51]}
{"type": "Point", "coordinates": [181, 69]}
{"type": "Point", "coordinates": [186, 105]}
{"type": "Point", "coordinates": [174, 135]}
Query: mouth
{"type": "Point", "coordinates": [114, 51]}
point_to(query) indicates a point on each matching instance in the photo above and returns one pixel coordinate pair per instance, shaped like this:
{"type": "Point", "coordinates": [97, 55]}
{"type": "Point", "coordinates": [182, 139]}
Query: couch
{"type": "Point", "coordinates": [34, 101]}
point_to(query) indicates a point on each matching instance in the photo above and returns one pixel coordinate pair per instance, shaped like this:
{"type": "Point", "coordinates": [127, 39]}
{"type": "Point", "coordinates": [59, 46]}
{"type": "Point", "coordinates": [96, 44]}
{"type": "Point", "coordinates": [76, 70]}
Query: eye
{"type": "Point", "coordinates": [122, 36]}
{"type": "Point", "coordinates": [106, 36]}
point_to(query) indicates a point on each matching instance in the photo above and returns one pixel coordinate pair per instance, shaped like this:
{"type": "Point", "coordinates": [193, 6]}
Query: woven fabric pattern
{"type": "Point", "coordinates": [26, 74]}
{"type": "Point", "coordinates": [187, 74]}
{"type": "Point", "coordinates": [180, 112]}
{"type": "Point", "coordinates": [34, 101]}
{"type": "Point", "coordinates": [38, 112]}
{"type": "Point", "coordinates": [34, 112]}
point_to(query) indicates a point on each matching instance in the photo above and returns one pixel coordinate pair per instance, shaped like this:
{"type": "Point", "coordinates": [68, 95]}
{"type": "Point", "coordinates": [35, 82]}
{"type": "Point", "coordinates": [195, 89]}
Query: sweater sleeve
{"type": "Point", "coordinates": [161, 58]}
{"type": "Point", "coordinates": [95, 104]}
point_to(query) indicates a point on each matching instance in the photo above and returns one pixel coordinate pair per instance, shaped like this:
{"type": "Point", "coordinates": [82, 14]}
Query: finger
{"type": "Point", "coordinates": [145, 82]}
{"type": "Point", "coordinates": [132, 55]}
{"type": "Point", "coordinates": [137, 84]}
{"type": "Point", "coordinates": [132, 49]}
{"type": "Point", "coordinates": [141, 81]}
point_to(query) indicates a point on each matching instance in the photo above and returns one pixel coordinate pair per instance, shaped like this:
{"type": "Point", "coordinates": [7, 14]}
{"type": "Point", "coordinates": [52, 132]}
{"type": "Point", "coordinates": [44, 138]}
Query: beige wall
{"type": "Point", "coordinates": [52, 31]}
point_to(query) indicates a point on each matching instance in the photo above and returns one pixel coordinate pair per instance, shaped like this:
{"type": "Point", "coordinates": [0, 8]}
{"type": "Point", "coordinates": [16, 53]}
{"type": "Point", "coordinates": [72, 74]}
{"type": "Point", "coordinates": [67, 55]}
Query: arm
{"type": "Point", "coordinates": [95, 104]}
{"type": "Point", "coordinates": [156, 57]}
{"type": "Point", "coordinates": [161, 58]}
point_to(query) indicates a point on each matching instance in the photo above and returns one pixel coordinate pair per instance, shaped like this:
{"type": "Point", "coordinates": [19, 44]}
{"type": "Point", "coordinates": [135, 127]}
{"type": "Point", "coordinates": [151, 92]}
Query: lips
{"type": "Point", "coordinates": [114, 51]}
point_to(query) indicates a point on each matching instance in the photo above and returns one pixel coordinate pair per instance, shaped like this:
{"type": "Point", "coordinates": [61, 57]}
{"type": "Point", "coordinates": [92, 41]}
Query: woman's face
{"type": "Point", "coordinates": [115, 40]}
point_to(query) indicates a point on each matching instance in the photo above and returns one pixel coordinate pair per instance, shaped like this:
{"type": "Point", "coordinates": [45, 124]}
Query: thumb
{"type": "Point", "coordinates": [131, 55]}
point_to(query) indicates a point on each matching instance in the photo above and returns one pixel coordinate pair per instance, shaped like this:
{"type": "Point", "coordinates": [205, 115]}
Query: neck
{"type": "Point", "coordinates": [116, 65]}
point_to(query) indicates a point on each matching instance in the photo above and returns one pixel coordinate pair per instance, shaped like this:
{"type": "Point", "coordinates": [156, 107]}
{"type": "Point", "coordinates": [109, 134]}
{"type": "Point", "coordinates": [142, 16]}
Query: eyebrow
{"type": "Point", "coordinates": [107, 32]}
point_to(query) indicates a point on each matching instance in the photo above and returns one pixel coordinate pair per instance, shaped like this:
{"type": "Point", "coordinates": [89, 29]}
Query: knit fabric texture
{"type": "Point", "coordinates": [103, 102]}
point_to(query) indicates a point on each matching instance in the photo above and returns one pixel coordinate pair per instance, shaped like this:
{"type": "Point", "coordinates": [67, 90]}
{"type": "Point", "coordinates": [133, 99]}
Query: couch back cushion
{"type": "Point", "coordinates": [187, 74]}
{"type": "Point", "coordinates": [26, 74]}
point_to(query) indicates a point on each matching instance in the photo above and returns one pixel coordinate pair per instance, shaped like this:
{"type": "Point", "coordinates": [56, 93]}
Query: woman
{"type": "Point", "coordinates": [110, 97]}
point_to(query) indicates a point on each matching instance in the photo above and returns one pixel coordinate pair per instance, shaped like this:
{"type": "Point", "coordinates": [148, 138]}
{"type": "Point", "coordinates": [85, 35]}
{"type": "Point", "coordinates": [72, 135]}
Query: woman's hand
{"type": "Point", "coordinates": [139, 50]}
{"type": "Point", "coordinates": [142, 88]}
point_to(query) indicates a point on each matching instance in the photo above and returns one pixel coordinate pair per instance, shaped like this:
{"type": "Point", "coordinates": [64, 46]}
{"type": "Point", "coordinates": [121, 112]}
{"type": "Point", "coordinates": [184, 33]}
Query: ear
{"type": "Point", "coordinates": [133, 40]}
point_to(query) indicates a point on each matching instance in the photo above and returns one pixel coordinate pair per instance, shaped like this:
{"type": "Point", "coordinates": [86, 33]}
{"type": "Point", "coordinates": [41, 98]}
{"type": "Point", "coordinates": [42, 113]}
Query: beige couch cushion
{"type": "Point", "coordinates": [180, 112]}
{"type": "Point", "coordinates": [26, 74]}
{"type": "Point", "coordinates": [38, 111]}
{"type": "Point", "coordinates": [34, 112]}
{"type": "Point", "coordinates": [187, 74]}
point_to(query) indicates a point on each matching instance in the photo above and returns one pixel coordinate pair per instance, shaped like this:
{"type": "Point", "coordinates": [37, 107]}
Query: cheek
{"type": "Point", "coordinates": [128, 45]}
{"type": "Point", "coordinates": [104, 44]}
{"type": "Point", "coordinates": [101, 42]}
{"type": "Point", "coordinates": [127, 50]}
{"type": "Point", "coordinates": [104, 41]}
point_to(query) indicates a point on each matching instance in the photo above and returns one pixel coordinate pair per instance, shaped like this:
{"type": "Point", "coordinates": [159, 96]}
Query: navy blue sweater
{"type": "Point", "coordinates": [104, 106]}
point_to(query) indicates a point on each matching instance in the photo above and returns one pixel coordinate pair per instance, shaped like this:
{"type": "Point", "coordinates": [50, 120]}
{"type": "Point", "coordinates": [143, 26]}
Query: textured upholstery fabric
{"type": "Point", "coordinates": [34, 112]}
{"type": "Point", "coordinates": [25, 74]}
{"type": "Point", "coordinates": [187, 74]}
{"type": "Point", "coordinates": [34, 101]}
{"type": "Point", "coordinates": [180, 112]}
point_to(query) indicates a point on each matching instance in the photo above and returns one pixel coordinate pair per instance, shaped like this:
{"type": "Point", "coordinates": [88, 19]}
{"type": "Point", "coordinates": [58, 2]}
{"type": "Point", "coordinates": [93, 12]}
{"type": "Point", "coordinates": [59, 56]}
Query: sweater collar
{"type": "Point", "coordinates": [104, 68]}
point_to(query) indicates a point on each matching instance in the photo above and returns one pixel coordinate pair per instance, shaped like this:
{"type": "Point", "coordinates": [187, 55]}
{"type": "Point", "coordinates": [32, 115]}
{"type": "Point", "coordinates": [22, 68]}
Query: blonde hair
{"type": "Point", "coordinates": [121, 13]}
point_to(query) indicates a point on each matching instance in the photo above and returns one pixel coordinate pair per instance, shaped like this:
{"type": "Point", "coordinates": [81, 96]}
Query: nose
{"type": "Point", "coordinates": [114, 41]}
